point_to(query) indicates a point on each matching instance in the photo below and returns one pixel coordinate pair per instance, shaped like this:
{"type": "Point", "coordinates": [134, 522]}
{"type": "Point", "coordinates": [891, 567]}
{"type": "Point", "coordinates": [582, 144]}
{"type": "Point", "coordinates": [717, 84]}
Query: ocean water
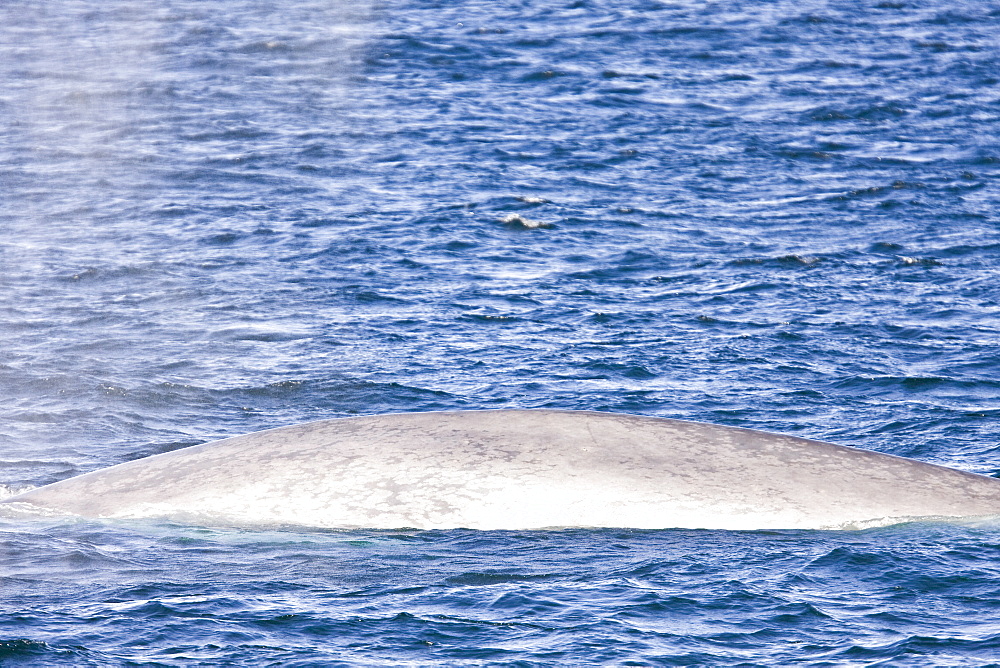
{"type": "Point", "coordinates": [222, 217]}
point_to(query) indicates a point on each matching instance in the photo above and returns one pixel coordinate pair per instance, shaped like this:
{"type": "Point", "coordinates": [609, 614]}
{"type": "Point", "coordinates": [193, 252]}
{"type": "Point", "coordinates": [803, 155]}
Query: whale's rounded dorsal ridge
{"type": "Point", "coordinates": [517, 469]}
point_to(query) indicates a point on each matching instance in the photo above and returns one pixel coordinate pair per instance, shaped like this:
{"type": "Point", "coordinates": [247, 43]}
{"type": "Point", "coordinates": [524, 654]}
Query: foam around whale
{"type": "Point", "coordinates": [521, 469]}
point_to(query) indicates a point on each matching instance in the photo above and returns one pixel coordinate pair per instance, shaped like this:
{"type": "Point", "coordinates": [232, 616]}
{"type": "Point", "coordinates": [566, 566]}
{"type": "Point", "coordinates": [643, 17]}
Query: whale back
{"type": "Point", "coordinates": [518, 469]}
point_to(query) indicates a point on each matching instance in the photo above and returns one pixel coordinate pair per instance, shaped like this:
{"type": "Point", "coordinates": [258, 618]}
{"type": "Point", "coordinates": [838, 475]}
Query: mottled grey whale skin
{"type": "Point", "coordinates": [521, 469]}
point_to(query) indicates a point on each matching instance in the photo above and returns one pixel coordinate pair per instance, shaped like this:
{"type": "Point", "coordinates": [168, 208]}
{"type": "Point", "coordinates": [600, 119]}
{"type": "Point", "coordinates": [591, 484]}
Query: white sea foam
{"type": "Point", "coordinates": [518, 221]}
{"type": "Point", "coordinates": [7, 491]}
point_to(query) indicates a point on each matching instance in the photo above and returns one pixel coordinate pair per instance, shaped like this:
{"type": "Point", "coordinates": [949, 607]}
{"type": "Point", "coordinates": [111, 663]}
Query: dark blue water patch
{"type": "Point", "coordinates": [22, 651]}
{"type": "Point", "coordinates": [279, 393]}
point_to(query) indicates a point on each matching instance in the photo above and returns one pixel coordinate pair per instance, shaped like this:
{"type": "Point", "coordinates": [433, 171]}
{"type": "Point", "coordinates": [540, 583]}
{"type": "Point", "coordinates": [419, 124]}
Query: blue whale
{"type": "Point", "coordinates": [520, 469]}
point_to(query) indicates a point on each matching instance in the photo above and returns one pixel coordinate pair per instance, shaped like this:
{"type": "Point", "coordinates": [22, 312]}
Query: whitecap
{"type": "Point", "coordinates": [517, 221]}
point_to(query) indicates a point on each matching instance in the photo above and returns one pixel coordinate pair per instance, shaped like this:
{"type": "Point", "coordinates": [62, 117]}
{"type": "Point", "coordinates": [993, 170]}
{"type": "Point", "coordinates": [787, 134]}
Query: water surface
{"type": "Point", "coordinates": [230, 216]}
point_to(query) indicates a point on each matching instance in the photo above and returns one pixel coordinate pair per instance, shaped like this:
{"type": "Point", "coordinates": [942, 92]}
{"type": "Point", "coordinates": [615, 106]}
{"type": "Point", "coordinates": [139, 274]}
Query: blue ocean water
{"type": "Point", "coordinates": [229, 216]}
